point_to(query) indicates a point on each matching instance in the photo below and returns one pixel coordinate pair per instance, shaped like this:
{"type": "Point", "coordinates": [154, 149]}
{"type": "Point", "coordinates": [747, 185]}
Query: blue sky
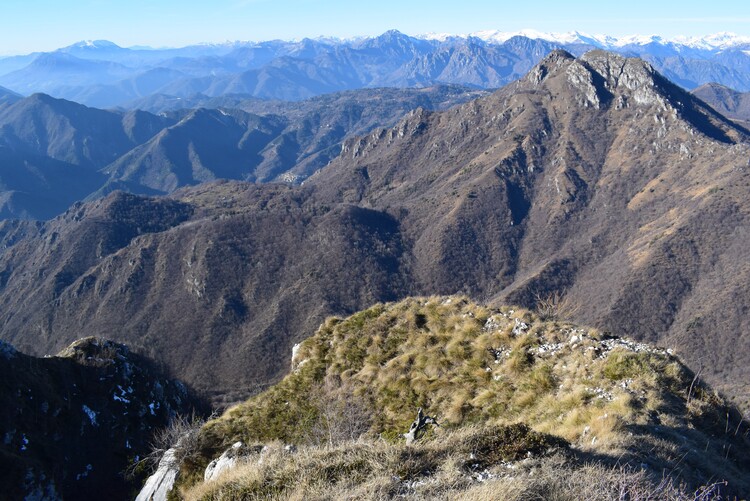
{"type": "Point", "coordinates": [31, 25]}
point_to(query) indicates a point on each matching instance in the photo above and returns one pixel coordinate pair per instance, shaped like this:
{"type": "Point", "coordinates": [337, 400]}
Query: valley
{"type": "Point", "coordinates": [56, 152]}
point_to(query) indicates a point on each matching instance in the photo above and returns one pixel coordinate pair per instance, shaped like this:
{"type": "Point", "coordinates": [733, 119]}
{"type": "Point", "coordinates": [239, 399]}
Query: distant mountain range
{"type": "Point", "coordinates": [54, 152]}
{"type": "Point", "coordinates": [711, 43]}
{"type": "Point", "coordinates": [103, 74]}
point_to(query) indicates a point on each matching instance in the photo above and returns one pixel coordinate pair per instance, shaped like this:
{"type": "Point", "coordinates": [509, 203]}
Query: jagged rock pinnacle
{"type": "Point", "coordinates": [553, 60]}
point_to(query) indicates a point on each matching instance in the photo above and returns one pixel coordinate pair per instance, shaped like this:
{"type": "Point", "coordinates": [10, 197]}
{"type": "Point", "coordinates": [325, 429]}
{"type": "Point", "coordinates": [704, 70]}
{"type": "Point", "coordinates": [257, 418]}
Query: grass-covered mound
{"type": "Point", "coordinates": [615, 401]}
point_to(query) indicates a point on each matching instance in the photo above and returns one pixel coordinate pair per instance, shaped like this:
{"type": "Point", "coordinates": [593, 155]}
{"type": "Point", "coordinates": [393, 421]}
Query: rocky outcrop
{"type": "Point", "coordinates": [226, 461]}
{"type": "Point", "coordinates": [160, 483]}
{"type": "Point", "coordinates": [73, 423]}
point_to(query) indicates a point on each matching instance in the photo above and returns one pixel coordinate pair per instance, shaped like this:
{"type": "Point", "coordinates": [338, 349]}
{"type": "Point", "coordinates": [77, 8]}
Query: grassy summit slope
{"type": "Point", "coordinates": [482, 372]}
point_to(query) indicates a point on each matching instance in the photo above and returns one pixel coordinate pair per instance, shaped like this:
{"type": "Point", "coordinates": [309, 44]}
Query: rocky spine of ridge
{"type": "Point", "coordinates": [75, 423]}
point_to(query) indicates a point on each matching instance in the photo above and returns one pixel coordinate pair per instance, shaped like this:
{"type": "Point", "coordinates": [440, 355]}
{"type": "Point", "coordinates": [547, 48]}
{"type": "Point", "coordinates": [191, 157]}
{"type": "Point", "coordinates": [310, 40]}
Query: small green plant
{"type": "Point", "coordinates": [621, 365]}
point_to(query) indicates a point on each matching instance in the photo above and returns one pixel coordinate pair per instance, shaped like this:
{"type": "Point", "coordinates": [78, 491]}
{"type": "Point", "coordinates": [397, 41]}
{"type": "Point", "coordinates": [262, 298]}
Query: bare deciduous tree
{"type": "Point", "coordinates": [182, 435]}
{"type": "Point", "coordinates": [555, 305]}
{"type": "Point", "coordinates": [342, 414]}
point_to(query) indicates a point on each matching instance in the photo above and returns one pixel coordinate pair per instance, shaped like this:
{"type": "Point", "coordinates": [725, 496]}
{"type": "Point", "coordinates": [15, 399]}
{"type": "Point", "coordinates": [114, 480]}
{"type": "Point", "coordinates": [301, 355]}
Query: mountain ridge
{"type": "Point", "coordinates": [733, 104]}
{"type": "Point", "coordinates": [573, 187]}
{"type": "Point", "coordinates": [57, 152]}
{"type": "Point", "coordinates": [108, 76]}
{"type": "Point", "coordinates": [544, 187]}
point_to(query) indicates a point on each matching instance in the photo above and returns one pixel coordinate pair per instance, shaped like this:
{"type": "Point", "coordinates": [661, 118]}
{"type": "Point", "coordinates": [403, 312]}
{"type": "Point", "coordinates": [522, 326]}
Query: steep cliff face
{"type": "Point", "coordinates": [73, 423]}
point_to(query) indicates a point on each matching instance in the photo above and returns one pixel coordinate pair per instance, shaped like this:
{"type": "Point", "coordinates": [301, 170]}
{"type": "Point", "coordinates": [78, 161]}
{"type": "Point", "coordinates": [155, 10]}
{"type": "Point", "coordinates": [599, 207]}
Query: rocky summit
{"type": "Point", "coordinates": [594, 180]}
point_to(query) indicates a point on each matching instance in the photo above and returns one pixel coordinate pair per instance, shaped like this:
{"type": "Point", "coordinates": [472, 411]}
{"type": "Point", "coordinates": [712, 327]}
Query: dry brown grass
{"type": "Point", "coordinates": [466, 364]}
{"type": "Point", "coordinates": [374, 469]}
{"type": "Point", "coordinates": [455, 466]}
{"type": "Point", "coordinates": [556, 305]}
{"type": "Point", "coordinates": [553, 480]}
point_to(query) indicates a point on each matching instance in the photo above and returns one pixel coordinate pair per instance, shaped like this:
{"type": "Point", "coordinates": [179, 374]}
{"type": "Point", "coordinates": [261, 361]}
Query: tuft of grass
{"type": "Point", "coordinates": [622, 364]}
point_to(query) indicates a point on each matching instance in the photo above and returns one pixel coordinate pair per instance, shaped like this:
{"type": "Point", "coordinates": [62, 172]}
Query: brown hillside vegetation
{"type": "Point", "coordinates": [504, 385]}
{"type": "Point", "coordinates": [219, 284]}
{"type": "Point", "coordinates": [592, 179]}
{"type": "Point", "coordinates": [729, 102]}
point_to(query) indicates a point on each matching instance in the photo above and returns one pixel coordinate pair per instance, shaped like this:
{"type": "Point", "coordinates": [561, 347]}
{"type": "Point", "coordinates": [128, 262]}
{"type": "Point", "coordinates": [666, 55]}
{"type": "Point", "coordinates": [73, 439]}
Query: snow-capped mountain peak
{"type": "Point", "coordinates": [94, 44]}
{"type": "Point", "coordinates": [637, 40]}
{"type": "Point", "coordinates": [567, 38]}
{"type": "Point", "coordinates": [713, 42]}
{"type": "Point", "coordinates": [571, 37]}
{"type": "Point", "coordinates": [717, 41]}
